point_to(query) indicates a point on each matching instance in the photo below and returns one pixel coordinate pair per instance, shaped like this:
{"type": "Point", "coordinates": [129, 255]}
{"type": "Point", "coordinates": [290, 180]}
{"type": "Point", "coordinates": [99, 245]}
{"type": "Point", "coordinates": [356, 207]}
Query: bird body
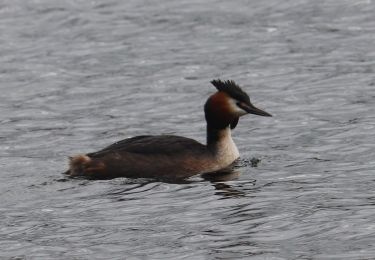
{"type": "Point", "coordinates": [177, 157]}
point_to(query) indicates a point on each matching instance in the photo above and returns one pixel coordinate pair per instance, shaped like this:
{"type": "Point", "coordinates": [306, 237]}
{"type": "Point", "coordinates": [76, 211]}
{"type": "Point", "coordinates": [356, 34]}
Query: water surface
{"type": "Point", "coordinates": [76, 76]}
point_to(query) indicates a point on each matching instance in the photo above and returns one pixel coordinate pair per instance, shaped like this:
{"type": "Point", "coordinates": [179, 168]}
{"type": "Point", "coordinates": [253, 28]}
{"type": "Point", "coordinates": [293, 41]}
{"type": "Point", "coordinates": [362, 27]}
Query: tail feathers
{"type": "Point", "coordinates": [77, 164]}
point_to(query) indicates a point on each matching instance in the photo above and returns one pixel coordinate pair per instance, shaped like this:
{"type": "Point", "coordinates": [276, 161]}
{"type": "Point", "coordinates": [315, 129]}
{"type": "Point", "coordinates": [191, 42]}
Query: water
{"type": "Point", "coordinates": [76, 76]}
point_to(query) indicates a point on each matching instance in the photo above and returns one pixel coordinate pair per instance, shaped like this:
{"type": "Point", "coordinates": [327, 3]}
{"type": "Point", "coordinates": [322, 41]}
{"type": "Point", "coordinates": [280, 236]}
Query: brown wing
{"type": "Point", "coordinates": [148, 144]}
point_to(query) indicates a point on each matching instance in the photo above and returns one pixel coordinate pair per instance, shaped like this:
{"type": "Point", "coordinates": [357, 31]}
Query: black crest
{"type": "Point", "coordinates": [232, 89]}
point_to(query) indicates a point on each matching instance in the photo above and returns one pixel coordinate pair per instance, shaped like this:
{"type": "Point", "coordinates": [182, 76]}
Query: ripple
{"type": "Point", "coordinates": [79, 75]}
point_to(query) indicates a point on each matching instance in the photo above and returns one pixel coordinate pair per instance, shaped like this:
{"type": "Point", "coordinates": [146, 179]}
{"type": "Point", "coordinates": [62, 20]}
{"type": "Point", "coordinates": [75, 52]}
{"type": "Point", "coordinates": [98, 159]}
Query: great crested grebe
{"type": "Point", "coordinates": [177, 157]}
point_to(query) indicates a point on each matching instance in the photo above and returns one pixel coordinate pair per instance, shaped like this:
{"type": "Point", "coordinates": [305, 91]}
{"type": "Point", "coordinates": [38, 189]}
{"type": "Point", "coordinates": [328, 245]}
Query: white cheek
{"type": "Point", "coordinates": [236, 109]}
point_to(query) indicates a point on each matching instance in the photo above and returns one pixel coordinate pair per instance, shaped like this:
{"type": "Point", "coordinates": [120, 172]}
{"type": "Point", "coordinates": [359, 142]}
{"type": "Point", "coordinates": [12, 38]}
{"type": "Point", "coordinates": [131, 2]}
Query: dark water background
{"type": "Point", "coordinates": [76, 76]}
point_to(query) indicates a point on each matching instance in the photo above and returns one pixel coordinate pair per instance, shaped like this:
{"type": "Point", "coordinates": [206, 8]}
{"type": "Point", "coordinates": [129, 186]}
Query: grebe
{"type": "Point", "coordinates": [176, 157]}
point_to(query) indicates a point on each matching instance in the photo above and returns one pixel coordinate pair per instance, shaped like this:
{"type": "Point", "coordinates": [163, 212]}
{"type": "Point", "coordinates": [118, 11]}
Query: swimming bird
{"type": "Point", "coordinates": [174, 157]}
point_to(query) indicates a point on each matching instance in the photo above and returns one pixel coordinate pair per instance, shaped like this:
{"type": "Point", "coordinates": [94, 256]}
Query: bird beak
{"type": "Point", "coordinates": [249, 108]}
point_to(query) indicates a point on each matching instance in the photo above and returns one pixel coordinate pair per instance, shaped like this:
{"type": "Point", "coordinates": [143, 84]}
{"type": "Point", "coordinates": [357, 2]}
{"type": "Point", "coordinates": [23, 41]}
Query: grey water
{"type": "Point", "coordinates": [76, 76]}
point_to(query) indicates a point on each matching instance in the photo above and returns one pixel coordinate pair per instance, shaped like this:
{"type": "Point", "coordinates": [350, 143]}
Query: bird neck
{"type": "Point", "coordinates": [220, 143]}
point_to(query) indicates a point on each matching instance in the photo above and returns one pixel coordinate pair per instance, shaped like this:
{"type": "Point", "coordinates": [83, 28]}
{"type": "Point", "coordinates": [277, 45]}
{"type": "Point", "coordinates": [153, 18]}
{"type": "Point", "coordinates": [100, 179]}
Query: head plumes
{"type": "Point", "coordinates": [228, 104]}
{"type": "Point", "coordinates": [232, 89]}
{"type": "Point", "coordinates": [239, 101]}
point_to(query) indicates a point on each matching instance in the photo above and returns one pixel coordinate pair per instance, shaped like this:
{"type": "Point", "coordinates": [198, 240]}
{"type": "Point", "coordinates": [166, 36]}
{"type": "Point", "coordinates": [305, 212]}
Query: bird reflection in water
{"type": "Point", "coordinates": [221, 181]}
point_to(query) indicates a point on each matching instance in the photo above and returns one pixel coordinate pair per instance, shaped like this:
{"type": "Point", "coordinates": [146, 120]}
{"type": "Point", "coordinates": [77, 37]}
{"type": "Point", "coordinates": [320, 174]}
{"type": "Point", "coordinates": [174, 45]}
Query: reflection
{"type": "Point", "coordinates": [225, 182]}
{"type": "Point", "coordinates": [132, 187]}
{"type": "Point", "coordinates": [228, 174]}
{"type": "Point", "coordinates": [220, 181]}
{"type": "Point", "coordinates": [126, 180]}
{"type": "Point", "coordinates": [126, 189]}
{"type": "Point", "coordinates": [227, 191]}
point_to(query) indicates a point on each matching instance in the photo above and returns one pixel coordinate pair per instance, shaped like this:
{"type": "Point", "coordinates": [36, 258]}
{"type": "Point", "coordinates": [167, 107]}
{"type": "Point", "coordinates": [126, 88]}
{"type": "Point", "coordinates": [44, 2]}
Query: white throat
{"type": "Point", "coordinates": [226, 149]}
